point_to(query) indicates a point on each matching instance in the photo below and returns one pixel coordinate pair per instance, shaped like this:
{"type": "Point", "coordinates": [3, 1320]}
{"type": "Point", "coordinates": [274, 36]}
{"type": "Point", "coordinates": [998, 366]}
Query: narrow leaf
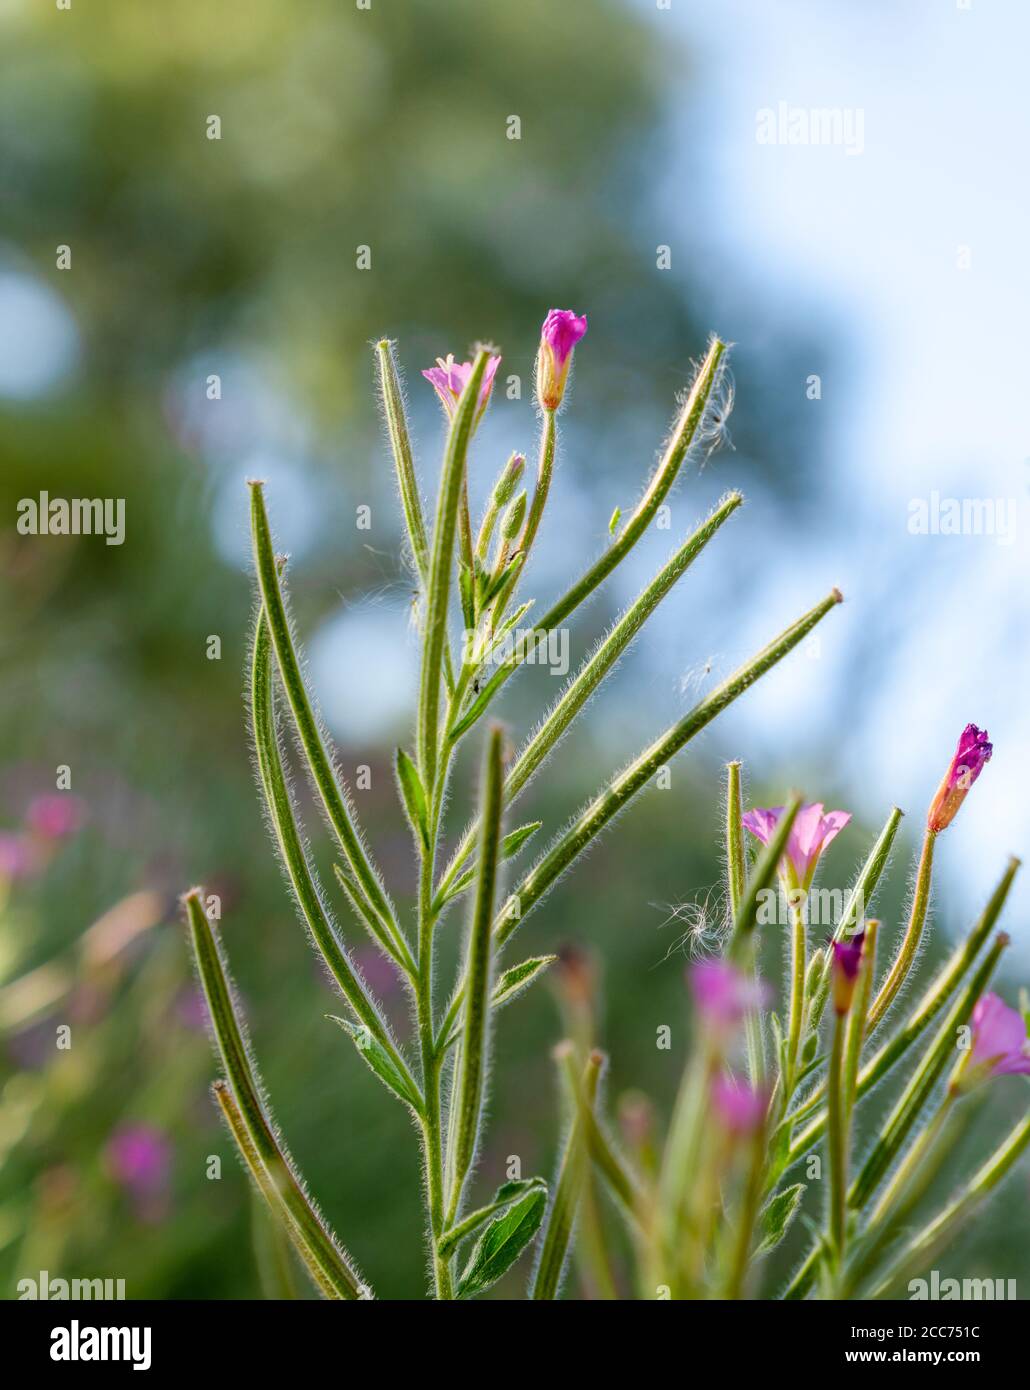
{"type": "Point", "coordinates": [776, 1217]}
{"type": "Point", "coordinates": [510, 846]}
{"type": "Point", "coordinates": [440, 565]}
{"type": "Point", "coordinates": [941, 989]}
{"type": "Point", "coordinates": [314, 1240]}
{"type": "Point", "coordinates": [519, 977]}
{"type": "Point", "coordinates": [571, 1177]}
{"type": "Point", "coordinates": [640, 772]}
{"type": "Point", "coordinates": [308, 731]}
{"type": "Point", "coordinates": [502, 1243]}
{"type": "Point", "coordinates": [503, 1197]}
{"type": "Point", "coordinates": [404, 463]}
{"type": "Point", "coordinates": [305, 890]}
{"type": "Point", "coordinates": [921, 1084]}
{"type": "Point", "coordinates": [413, 795]}
{"type": "Point", "coordinates": [472, 1063]}
{"type": "Point", "coordinates": [380, 1061]}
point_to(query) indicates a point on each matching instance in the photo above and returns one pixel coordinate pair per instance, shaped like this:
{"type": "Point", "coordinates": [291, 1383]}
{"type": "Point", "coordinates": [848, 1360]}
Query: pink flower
{"type": "Point", "coordinates": [812, 831]}
{"type": "Point", "coordinates": [562, 329]}
{"type": "Point", "coordinates": [139, 1158]}
{"type": "Point", "coordinates": [1000, 1046]}
{"type": "Point", "coordinates": [974, 749]}
{"type": "Point", "coordinates": [448, 378]}
{"type": "Point", "coordinates": [847, 961]}
{"type": "Point", "coordinates": [723, 993]}
{"type": "Point", "coordinates": [740, 1107]}
{"type": "Point", "coordinates": [54, 815]}
{"type": "Point", "coordinates": [191, 1009]}
{"type": "Point", "coordinates": [16, 857]}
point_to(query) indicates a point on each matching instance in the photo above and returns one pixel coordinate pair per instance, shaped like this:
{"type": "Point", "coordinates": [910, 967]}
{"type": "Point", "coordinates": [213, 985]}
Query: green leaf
{"type": "Point", "coordinates": [503, 1197]}
{"type": "Point", "coordinates": [810, 1067]}
{"type": "Point", "coordinates": [777, 1215]}
{"type": "Point", "coordinates": [779, 1148]}
{"type": "Point", "coordinates": [510, 846]}
{"type": "Point", "coordinates": [467, 589]}
{"type": "Point", "coordinates": [413, 794]}
{"type": "Point", "coordinates": [509, 987]}
{"type": "Point", "coordinates": [379, 1060]}
{"type": "Point", "coordinates": [502, 1243]}
{"type": "Point", "coordinates": [506, 576]}
{"type": "Point", "coordinates": [614, 522]}
{"type": "Point", "coordinates": [518, 978]}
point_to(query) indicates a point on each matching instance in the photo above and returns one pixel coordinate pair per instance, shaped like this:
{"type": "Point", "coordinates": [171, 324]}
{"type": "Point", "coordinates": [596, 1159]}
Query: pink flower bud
{"type": "Point", "coordinates": [561, 331]}
{"type": "Point", "coordinates": [847, 961]}
{"type": "Point", "coordinates": [974, 749]}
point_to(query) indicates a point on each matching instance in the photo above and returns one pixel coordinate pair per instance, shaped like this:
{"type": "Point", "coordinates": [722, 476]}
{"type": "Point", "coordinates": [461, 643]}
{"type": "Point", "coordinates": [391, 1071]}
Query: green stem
{"type": "Point", "coordinates": [639, 773]}
{"type": "Point", "coordinates": [440, 565]}
{"type": "Point", "coordinates": [623, 1186]}
{"type": "Point", "coordinates": [278, 1209]}
{"type": "Point", "coordinates": [906, 1110]}
{"type": "Point", "coordinates": [943, 1228]}
{"type": "Point", "coordinates": [931, 1149]}
{"type": "Point", "coordinates": [545, 471]}
{"type": "Point", "coordinates": [858, 900]}
{"type": "Point", "coordinates": [798, 967]}
{"type": "Point", "coordinates": [561, 1218]}
{"type": "Point", "coordinates": [432, 1135]}
{"type": "Point", "coordinates": [291, 850]}
{"type": "Point", "coordinates": [594, 670]}
{"type": "Point", "coordinates": [944, 985]}
{"type": "Point", "coordinates": [922, 1081]}
{"type": "Point", "coordinates": [469, 1087]}
{"type": "Point", "coordinates": [319, 766]}
{"type": "Point", "coordinates": [838, 1141]}
{"type": "Point", "coordinates": [689, 423]}
{"type": "Point", "coordinates": [403, 458]}
{"type": "Point", "coordinates": [736, 880]}
{"type": "Point", "coordinates": [913, 934]}
{"type": "Point", "coordinates": [315, 1242]}
{"type": "Point", "coordinates": [748, 1216]}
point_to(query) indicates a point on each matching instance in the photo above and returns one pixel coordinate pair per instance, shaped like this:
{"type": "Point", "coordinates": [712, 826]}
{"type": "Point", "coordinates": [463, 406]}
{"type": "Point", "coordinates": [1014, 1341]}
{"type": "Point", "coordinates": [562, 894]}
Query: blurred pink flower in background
{"type": "Point", "coordinates": [139, 1158]}
{"type": "Point", "coordinates": [740, 1106]}
{"type": "Point", "coordinates": [16, 857]}
{"type": "Point", "coordinates": [723, 993]}
{"type": "Point", "coordinates": [191, 1009]}
{"type": "Point", "coordinates": [54, 815]}
{"type": "Point", "coordinates": [50, 818]}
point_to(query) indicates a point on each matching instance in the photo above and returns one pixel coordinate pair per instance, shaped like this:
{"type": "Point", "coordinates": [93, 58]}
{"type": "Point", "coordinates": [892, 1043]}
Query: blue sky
{"type": "Point", "coordinates": [913, 256]}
